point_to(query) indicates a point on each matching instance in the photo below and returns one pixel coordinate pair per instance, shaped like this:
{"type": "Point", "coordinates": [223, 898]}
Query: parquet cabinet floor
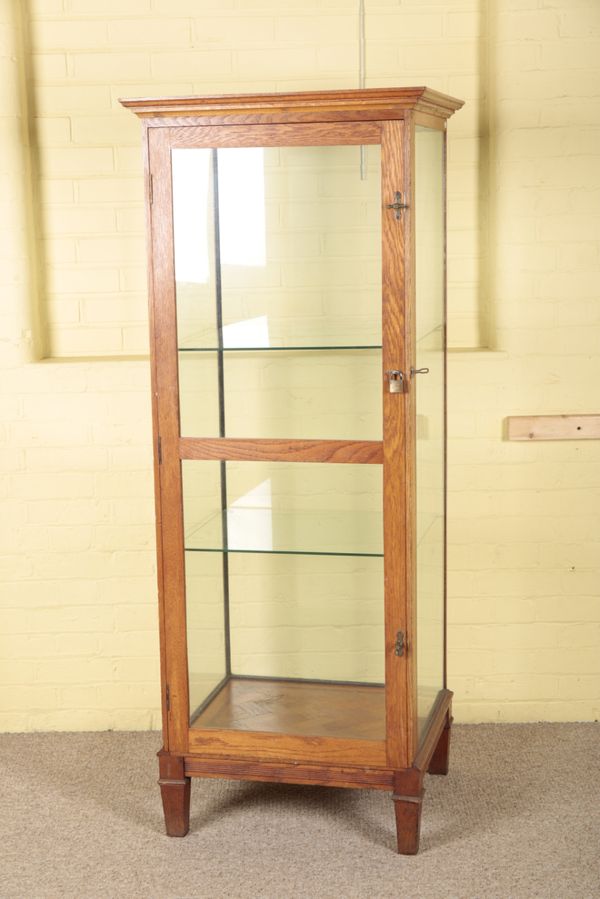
{"type": "Point", "coordinates": [298, 707]}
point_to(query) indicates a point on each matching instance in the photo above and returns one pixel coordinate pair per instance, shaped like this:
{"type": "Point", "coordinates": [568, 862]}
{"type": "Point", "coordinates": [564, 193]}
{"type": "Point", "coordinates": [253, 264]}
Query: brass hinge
{"type": "Point", "coordinates": [168, 697]}
{"type": "Point", "coordinates": [400, 644]}
{"type": "Point", "coordinates": [151, 189]}
{"type": "Point", "coordinates": [159, 450]}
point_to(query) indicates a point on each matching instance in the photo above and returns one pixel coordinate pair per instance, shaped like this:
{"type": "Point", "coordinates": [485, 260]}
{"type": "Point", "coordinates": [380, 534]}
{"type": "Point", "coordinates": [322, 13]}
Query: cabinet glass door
{"type": "Point", "coordinates": [430, 430]}
{"type": "Point", "coordinates": [278, 279]}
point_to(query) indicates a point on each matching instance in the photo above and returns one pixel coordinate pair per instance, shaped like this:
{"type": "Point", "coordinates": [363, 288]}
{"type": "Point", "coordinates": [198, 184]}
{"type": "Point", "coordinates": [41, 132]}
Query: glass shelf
{"type": "Point", "coordinates": [269, 349]}
{"type": "Point", "coordinates": [264, 333]}
{"type": "Point", "coordinates": [320, 533]}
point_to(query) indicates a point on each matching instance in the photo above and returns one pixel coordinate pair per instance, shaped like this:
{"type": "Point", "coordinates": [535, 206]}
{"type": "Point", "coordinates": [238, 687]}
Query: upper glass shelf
{"type": "Point", "coordinates": [270, 349]}
{"type": "Point", "coordinates": [277, 247]}
{"type": "Point", "coordinates": [264, 333]}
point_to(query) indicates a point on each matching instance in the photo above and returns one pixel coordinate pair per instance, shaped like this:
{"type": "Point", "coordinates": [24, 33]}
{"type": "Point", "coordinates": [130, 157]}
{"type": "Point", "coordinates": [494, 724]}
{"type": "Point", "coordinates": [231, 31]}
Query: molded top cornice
{"type": "Point", "coordinates": [381, 102]}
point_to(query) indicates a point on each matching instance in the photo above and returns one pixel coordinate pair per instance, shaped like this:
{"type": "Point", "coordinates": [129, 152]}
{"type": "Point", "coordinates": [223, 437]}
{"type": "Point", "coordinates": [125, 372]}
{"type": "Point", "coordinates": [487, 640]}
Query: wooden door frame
{"type": "Point", "coordinates": [399, 441]}
{"type": "Point", "coordinates": [396, 138]}
{"type": "Point", "coordinates": [164, 360]}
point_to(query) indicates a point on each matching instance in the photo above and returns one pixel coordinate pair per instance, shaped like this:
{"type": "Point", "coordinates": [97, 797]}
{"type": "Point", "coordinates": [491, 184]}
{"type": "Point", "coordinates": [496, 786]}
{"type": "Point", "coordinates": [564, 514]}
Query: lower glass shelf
{"type": "Point", "coordinates": [280, 507]}
{"type": "Point", "coordinates": [296, 707]}
{"type": "Point", "coordinates": [324, 533]}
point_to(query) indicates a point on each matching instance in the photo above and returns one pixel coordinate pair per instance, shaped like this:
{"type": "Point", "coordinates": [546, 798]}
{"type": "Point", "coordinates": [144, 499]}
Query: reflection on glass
{"type": "Point", "coordinates": [317, 617]}
{"type": "Point", "coordinates": [285, 239]}
{"type": "Point", "coordinates": [254, 332]}
{"type": "Point", "coordinates": [205, 598]}
{"type": "Point", "coordinates": [278, 250]}
{"type": "Point", "coordinates": [429, 150]}
{"type": "Point", "coordinates": [278, 288]}
{"type": "Point", "coordinates": [334, 394]}
{"type": "Point", "coordinates": [192, 223]}
{"type": "Point", "coordinates": [241, 210]}
{"type": "Point", "coordinates": [319, 509]}
{"type": "Point", "coordinates": [294, 603]}
{"type": "Point", "coordinates": [199, 394]}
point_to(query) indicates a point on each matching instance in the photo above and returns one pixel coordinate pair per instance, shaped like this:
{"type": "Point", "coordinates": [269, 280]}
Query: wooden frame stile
{"type": "Point", "coordinates": [398, 763]}
{"type": "Point", "coordinates": [408, 157]}
{"type": "Point", "coordinates": [399, 453]}
{"type": "Point", "coordinates": [430, 753]}
{"type": "Point", "coordinates": [155, 431]}
{"type": "Point", "coordinates": [167, 387]}
{"type": "Point", "coordinates": [394, 451]}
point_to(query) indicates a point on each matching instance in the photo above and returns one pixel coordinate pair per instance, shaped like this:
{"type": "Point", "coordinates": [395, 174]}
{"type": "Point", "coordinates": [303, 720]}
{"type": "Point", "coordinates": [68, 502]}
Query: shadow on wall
{"type": "Point", "coordinates": [41, 339]}
{"type": "Point", "coordinates": [37, 339]}
{"type": "Point", "coordinates": [486, 186]}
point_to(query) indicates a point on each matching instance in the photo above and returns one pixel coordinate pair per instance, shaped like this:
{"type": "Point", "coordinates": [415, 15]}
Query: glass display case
{"type": "Point", "coordinates": [297, 305]}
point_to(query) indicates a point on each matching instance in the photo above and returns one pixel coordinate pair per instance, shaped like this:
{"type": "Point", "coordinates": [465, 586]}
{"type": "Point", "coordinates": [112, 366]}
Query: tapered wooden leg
{"type": "Point", "coordinates": [408, 822]}
{"type": "Point", "coordinates": [441, 754]}
{"type": "Point", "coordinates": [175, 791]}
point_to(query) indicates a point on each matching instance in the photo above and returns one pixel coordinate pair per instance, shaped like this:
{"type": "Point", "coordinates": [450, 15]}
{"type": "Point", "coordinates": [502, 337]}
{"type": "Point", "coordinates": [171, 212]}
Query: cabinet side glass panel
{"type": "Point", "coordinates": [278, 281]}
{"type": "Point", "coordinates": [303, 600]}
{"type": "Point", "coordinates": [205, 589]}
{"type": "Point", "coordinates": [196, 288]}
{"type": "Point", "coordinates": [206, 631]}
{"type": "Point", "coordinates": [430, 450]}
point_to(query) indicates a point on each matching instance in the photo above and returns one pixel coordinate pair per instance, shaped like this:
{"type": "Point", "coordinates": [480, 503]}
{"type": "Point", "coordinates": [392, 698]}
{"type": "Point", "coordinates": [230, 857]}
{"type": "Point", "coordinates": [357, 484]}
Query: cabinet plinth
{"type": "Point", "coordinates": [298, 352]}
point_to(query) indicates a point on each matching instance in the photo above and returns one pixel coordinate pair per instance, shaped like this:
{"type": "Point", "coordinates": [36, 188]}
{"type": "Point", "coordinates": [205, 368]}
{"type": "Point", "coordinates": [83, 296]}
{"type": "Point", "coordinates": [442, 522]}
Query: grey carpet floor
{"type": "Point", "coordinates": [518, 816]}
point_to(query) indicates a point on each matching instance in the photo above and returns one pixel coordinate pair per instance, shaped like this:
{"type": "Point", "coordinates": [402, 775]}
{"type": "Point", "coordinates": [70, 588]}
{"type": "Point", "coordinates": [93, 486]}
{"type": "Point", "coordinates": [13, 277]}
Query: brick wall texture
{"type": "Point", "coordinates": [78, 624]}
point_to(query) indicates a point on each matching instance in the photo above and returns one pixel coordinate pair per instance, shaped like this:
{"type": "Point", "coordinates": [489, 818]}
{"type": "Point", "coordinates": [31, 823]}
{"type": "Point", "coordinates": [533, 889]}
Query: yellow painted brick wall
{"type": "Point", "coordinates": [78, 641]}
{"type": "Point", "coordinates": [85, 55]}
{"type": "Point", "coordinates": [525, 519]}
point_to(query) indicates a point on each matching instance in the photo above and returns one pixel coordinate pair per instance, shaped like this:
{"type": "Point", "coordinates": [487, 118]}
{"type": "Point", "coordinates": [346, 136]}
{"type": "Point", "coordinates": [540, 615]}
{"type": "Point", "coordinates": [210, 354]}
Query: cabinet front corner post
{"type": "Point", "coordinates": [408, 802]}
{"type": "Point", "coordinates": [175, 789]}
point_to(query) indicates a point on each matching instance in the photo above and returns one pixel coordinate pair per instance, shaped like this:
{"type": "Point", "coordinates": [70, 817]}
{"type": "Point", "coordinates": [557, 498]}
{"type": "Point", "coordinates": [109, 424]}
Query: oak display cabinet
{"type": "Point", "coordinates": [297, 306]}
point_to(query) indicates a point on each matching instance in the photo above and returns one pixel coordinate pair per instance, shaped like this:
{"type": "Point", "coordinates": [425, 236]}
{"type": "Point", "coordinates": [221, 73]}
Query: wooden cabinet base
{"type": "Point", "coordinates": [405, 785]}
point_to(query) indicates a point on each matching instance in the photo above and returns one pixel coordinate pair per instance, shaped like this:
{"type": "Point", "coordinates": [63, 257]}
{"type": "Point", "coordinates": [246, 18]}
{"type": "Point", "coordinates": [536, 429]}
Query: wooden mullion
{"type": "Point", "coordinates": [264, 450]}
